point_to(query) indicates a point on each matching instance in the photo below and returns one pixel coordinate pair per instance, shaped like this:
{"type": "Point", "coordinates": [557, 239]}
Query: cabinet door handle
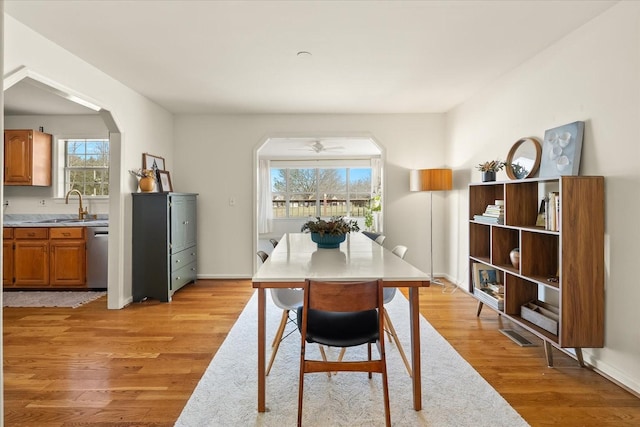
{"type": "Point", "coordinates": [31, 234]}
{"type": "Point", "coordinates": [177, 261]}
{"type": "Point", "coordinates": [66, 234]}
{"type": "Point", "coordinates": [178, 277]}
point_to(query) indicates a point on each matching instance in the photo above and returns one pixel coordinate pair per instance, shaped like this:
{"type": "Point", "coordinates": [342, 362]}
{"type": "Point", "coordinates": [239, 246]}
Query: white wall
{"type": "Point", "coordinates": [145, 127]}
{"type": "Point", "coordinates": [214, 156]}
{"type": "Point", "coordinates": [591, 75]}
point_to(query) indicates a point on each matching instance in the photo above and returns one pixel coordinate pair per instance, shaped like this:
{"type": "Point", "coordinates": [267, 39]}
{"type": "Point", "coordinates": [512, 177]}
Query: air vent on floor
{"type": "Point", "coordinates": [517, 338]}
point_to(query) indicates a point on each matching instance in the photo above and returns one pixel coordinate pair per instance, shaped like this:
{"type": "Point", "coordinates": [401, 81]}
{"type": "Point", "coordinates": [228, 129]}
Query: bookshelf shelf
{"type": "Point", "coordinates": [563, 268]}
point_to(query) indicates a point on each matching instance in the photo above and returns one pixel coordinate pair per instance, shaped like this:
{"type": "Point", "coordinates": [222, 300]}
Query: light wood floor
{"type": "Point", "coordinates": [138, 366]}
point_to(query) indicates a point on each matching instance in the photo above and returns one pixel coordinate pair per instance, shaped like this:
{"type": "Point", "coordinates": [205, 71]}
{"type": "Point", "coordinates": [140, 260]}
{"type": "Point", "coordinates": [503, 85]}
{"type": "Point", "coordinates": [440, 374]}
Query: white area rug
{"type": "Point", "coordinates": [454, 394]}
{"type": "Point", "coordinates": [48, 299]}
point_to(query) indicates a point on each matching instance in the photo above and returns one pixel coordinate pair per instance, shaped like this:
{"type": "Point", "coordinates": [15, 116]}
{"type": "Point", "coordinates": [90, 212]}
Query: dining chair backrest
{"type": "Point", "coordinates": [274, 242]}
{"type": "Point", "coordinates": [389, 293]}
{"type": "Point", "coordinates": [380, 239]}
{"type": "Point", "coordinates": [263, 255]}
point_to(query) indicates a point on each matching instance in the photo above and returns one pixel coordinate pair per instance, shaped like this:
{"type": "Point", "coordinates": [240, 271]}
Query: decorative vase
{"type": "Point", "coordinates": [488, 176]}
{"type": "Point", "coordinates": [147, 184]}
{"type": "Point", "coordinates": [514, 255]}
{"type": "Point", "coordinates": [328, 241]}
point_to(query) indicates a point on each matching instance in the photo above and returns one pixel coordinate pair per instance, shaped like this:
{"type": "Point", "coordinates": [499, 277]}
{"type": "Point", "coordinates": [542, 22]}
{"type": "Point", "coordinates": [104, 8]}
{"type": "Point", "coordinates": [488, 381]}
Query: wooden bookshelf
{"type": "Point", "coordinates": [562, 268]}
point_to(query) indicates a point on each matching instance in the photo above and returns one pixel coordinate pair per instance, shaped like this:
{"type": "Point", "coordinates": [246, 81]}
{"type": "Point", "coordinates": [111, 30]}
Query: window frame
{"type": "Point", "coordinates": [61, 169]}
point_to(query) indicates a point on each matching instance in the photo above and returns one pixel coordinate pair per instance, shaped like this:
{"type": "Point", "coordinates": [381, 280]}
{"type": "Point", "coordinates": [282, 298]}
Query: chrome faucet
{"type": "Point", "coordinates": [81, 212]}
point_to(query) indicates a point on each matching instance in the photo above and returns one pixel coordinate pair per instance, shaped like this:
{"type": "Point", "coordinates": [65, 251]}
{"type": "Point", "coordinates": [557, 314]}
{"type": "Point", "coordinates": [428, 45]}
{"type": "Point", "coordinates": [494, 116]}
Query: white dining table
{"type": "Point", "coordinates": [358, 258]}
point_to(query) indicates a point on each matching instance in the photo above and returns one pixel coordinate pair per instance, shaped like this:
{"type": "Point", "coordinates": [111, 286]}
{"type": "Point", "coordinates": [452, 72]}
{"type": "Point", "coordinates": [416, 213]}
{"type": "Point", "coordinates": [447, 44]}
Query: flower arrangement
{"type": "Point", "coordinates": [143, 173]}
{"type": "Point", "coordinates": [335, 226]}
{"type": "Point", "coordinates": [491, 166]}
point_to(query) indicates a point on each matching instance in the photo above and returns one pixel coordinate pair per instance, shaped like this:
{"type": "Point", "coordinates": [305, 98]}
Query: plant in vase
{"type": "Point", "coordinates": [147, 178]}
{"type": "Point", "coordinates": [489, 169]}
{"type": "Point", "coordinates": [329, 233]}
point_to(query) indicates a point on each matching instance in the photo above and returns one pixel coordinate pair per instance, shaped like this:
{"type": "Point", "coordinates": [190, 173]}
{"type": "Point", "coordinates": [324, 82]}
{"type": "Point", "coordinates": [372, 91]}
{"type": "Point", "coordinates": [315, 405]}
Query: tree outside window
{"type": "Point", "coordinates": [299, 193]}
{"type": "Point", "coordinates": [87, 166]}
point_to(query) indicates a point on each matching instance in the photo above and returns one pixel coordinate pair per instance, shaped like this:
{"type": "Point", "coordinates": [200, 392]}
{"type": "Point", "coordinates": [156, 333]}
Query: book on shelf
{"type": "Point", "coordinates": [552, 211]}
{"type": "Point", "coordinates": [488, 219]}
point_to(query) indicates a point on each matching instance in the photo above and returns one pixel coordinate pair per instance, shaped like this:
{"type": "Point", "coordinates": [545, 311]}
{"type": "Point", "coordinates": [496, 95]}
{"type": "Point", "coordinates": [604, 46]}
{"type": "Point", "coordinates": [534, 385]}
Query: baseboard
{"type": "Point", "coordinates": [224, 276]}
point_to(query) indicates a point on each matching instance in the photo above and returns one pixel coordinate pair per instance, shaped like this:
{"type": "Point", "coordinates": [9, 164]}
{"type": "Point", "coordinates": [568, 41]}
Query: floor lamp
{"type": "Point", "coordinates": [431, 180]}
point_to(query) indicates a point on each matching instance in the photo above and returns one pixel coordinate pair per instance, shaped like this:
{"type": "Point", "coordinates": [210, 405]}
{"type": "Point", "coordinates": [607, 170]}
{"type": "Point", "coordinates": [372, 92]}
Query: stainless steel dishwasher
{"type": "Point", "coordinates": [97, 257]}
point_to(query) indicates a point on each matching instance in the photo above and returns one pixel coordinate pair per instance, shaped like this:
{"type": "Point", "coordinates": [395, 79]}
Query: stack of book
{"type": "Point", "coordinates": [493, 214]}
{"type": "Point", "coordinates": [552, 211]}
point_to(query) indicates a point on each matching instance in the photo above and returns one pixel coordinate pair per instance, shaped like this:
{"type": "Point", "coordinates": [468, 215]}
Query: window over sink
{"type": "Point", "coordinates": [86, 165]}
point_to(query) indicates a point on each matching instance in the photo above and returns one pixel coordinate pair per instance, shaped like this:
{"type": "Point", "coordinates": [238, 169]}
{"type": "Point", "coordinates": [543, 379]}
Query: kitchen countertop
{"type": "Point", "coordinates": [53, 220]}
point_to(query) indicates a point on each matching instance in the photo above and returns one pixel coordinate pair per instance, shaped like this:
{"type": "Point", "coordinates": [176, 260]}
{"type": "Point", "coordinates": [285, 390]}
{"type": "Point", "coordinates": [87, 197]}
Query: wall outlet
{"type": "Point", "coordinates": [42, 202]}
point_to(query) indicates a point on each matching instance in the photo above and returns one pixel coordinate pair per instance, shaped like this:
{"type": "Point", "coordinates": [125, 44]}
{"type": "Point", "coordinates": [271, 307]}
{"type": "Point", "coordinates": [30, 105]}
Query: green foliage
{"type": "Point", "coordinates": [491, 166]}
{"type": "Point", "coordinates": [335, 226]}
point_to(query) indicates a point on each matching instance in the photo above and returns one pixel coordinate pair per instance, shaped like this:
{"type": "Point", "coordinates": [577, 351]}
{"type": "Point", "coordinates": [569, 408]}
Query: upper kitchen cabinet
{"type": "Point", "coordinates": [27, 157]}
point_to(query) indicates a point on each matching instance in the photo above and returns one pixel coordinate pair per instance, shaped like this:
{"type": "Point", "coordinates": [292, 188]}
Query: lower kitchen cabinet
{"type": "Point", "coordinates": [31, 257]}
{"type": "Point", "coordinates": [40, 257]}
{"type": "Point", "coordinates": [68, 257]}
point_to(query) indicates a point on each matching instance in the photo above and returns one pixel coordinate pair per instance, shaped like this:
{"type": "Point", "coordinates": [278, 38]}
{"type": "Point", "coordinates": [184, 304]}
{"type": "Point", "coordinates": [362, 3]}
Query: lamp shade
{"type": "Point", "coordinates": [430, 180]}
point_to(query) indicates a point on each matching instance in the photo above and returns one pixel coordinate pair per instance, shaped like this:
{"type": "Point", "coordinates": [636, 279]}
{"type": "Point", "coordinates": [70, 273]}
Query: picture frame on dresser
{"type": "Point", "coordinates": [153, 162]}
{"type": "Point", "coordinates": [164, 178]}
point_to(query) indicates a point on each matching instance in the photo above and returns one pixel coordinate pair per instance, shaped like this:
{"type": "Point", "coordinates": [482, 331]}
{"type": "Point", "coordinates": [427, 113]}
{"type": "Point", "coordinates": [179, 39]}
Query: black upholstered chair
{"type": "Point", "coordinates": [343, 314]}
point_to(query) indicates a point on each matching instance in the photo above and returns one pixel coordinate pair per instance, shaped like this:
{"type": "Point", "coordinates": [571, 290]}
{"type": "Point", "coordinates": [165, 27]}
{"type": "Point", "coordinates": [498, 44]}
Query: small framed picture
{"type": "Point", "coordinates": [153, 162]}
{"type": "Point", "coordinates": [484, 275]}
{"type": "Point", "coordinates": [165, 181]}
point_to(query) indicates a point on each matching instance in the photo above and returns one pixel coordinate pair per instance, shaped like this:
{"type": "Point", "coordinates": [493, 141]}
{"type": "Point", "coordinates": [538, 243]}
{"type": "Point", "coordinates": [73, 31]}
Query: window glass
{"type": "Point", "coordinates": [87, 166]}
{"type": "Point", "coordinates": [322, 192]}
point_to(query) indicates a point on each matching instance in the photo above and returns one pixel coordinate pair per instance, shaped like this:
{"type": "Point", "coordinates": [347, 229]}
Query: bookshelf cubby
{"type": "Point", "coordinates": [563, 269]}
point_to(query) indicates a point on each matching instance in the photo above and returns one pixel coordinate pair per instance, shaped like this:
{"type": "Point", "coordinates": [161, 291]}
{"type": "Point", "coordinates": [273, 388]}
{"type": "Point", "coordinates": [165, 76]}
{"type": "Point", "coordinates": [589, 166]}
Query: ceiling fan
{"type": "Point", "coordinates": [319, 147]}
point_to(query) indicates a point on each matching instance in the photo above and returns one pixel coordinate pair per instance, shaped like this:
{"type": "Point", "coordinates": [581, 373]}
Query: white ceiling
{"type": "Point", "coordinates": [366, 56]}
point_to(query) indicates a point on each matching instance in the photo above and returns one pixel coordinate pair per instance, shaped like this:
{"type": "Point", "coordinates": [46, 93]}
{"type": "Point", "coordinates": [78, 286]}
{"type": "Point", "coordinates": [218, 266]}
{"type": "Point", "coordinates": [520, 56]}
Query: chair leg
{"type": "Point", "coordinates": [301, 383]}
{"type": "Point", "coordinates": [277, 339]}
{"type": "Point", "coordinates": [283, 324]}
{"type": "Point", "coordinates": [324, 357]}
{"type": "Point", "coordinates": [385, 390]}
{"type": "Point", "coordinates": [392, 331]}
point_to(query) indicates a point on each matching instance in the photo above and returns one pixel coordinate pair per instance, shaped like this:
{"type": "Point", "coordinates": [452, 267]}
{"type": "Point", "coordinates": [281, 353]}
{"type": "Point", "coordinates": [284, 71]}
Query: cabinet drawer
{"type": "Point", "coordinates": [31, 233]}
{"type": "Point", "coordinates": [7, 233]}
{"type": "Point", "coordinates": [183, 275]}
{"type": "Point", "coordinates": [67, 233]}
{"type": "Point", "coordinates": [183, 258]}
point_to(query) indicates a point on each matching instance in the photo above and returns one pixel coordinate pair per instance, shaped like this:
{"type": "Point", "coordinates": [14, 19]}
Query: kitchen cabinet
{"type": "Point", "coordinates": [31, 257]}
{"type": "Point", "coordinates": [7, 256]}
{"type": "Point", "coordinates": [68, 256]}
{"type": "Point", "coordinates": [164, 244]}
{"type": "Point", "coordinates": [27, 157]}
{"type": "Point", "coordinates": [44, 257]}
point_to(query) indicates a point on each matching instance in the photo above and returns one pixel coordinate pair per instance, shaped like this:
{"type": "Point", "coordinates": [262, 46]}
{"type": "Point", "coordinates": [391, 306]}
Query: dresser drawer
{"type": "Point", "coordinates": [183, 275]}
{"type": "Point", "coordinates": [183, 258]}
{"type": "Point", "coordinates": [67, 232]}
{"type": "Point", "coordinates": [31, 233]}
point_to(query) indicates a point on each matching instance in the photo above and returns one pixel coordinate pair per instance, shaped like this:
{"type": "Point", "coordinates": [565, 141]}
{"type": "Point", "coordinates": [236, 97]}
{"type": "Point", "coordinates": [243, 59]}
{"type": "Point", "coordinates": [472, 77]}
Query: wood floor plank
{"type": "Point", "coordinates": [138, 366]}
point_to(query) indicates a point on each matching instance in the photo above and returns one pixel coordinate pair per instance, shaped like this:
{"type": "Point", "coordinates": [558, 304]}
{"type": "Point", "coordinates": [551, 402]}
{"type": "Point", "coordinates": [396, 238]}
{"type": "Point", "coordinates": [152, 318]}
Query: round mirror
{"type": "Point", "coordinates": [523, 159]}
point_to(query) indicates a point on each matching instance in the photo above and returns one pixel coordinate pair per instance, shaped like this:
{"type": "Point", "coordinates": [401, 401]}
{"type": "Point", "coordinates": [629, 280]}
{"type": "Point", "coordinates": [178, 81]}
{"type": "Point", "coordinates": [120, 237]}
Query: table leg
{"type": "Point", "coordinates": [414, 317]}
{"type": "Point", "coordinates": [261, 349]}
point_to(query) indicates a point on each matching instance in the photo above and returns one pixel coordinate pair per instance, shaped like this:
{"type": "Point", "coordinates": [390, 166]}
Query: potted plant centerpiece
{"type": "Point", "coordinates": [328, 234]}
{"type": "Point", "coordinates": [489, 169]}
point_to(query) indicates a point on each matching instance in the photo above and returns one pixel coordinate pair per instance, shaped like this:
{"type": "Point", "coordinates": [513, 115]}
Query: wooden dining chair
{"type": "Point", "coordinates": [343, 314]}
